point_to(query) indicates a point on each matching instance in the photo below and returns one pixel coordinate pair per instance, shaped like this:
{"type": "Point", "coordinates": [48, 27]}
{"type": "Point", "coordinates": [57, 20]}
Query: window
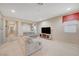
{"type": "Point", "coordinates": [70, 26]}
{"type": "Point", "coordinates": [26, 28]}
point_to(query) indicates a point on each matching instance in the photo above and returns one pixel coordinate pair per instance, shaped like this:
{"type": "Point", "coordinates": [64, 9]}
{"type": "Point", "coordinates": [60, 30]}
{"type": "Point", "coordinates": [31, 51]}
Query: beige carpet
{"type": "Point", "coordinates": [56, 48]}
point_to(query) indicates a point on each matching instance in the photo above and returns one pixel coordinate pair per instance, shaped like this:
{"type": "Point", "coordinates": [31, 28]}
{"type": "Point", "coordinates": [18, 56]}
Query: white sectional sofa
{"type": "Point", "coordinates": [33, 46]}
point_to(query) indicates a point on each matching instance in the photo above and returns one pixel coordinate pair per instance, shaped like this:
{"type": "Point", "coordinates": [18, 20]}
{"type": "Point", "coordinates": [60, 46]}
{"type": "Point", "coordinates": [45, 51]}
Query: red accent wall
{"type": "Point", "coordinates": [71, 17]}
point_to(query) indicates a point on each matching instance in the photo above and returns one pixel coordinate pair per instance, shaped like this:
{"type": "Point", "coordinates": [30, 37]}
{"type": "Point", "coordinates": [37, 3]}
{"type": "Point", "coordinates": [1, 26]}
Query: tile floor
{"type": "Point", "coordinates": [56, 48]}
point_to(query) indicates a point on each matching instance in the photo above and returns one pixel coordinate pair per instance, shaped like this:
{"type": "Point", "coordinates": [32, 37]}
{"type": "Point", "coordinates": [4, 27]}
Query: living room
{"type": "Point", "coordinates": [39, 29]}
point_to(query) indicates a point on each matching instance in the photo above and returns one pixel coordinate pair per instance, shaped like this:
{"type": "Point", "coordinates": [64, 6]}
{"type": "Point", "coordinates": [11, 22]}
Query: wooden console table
{"type": "Point", "coordinates": [46, 36]}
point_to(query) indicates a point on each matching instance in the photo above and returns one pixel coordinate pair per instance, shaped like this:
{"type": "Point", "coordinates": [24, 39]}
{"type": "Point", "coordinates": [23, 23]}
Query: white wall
{"type": "Point", "coordinates": [58, 30]}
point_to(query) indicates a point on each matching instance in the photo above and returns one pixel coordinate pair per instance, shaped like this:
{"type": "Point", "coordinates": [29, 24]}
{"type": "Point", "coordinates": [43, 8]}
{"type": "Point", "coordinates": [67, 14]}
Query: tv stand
{"type": "Point", "coordinates": [46, 36]}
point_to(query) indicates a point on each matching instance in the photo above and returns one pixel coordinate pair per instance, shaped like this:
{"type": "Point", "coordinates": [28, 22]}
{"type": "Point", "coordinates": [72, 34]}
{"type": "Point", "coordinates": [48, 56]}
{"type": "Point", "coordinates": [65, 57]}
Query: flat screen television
{"type": "Point", "coordinates": [46, 30]}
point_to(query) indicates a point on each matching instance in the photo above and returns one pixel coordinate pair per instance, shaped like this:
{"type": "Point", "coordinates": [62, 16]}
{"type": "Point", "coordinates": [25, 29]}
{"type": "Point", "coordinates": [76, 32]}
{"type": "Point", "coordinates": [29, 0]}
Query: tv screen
{"type": "Point", "coordinates": [46, 30]}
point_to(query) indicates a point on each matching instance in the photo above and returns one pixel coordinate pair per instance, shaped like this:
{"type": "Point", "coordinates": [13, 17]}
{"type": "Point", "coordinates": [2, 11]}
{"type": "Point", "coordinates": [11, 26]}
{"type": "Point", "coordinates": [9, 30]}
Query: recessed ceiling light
{"type": "Point", "coordinates": [13, 11]}
{"type": "Point", "coordinates": [68, 9]}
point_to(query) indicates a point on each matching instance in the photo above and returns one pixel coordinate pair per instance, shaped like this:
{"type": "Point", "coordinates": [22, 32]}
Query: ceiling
{"type": "Point", "coordinates": [36, 11]}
